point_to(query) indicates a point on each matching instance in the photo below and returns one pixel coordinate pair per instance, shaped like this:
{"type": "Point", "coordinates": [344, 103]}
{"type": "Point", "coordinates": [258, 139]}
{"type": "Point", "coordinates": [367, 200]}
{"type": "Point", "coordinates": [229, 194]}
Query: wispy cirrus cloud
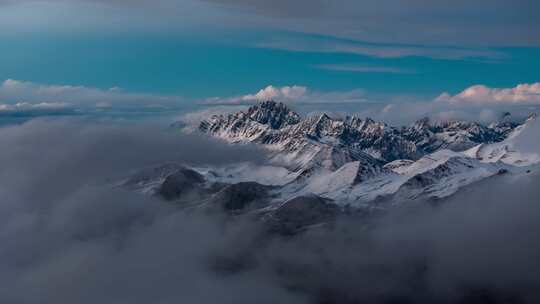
{"type": "Point", "coordinates": [32, 106]}
{"type": "Point", "coordinates": [356, 68]}
{"type": "Point", "coordinates": [460, 22]}
{"type": "Point", "coordinates": [333, 45]}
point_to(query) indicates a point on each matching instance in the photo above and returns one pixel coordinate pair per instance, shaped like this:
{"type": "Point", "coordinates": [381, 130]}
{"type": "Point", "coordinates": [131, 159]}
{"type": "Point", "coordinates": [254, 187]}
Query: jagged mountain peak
{"type": "Point", "coordinates": [274, 114]}
{"type": "Point", "coordinates": [274, 124]}
{"type": "Point", "coordinates": [506, 116]}
{"type": "Point", "coordinates": [421, 123]}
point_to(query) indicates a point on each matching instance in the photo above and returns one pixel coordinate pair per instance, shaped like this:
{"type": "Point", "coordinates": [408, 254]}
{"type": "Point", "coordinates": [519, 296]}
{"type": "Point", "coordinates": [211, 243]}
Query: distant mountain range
{"type": "Point", "coordinates": [275, 125]}
{"type": "Point", "coordinates": [320, 166]}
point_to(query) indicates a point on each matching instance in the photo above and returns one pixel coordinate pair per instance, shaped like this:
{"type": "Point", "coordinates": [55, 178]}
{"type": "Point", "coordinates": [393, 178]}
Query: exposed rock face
{"type": "Point", "coordinates": [455, 135]}
{"type": "Point", "coordinates": [277, 115]}
{"type": "Point", "coordinates": [356, 160]}
{"type": "Point", "coordinates": [146, 178]}
{"type": "Point", "coordinates": [240, 196]}
{"type": "Point", "coordinates": [302, 211]}
{"type": "Point", "coordinates": [181, 183]}
{"type": "Point", "coordinates": [330, 142]}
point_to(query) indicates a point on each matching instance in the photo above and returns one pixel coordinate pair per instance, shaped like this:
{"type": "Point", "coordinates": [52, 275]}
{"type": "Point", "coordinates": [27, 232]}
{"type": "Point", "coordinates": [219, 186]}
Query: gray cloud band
{"type": "Point", "coordinates": [68, 237]}
{"type": "Point", "coordinates": [484, 22]}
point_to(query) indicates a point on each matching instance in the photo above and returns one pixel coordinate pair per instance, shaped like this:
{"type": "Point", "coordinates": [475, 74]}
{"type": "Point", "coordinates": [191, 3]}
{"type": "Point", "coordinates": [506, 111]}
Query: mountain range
{"type": "Point", "coordinates": [320, 166]}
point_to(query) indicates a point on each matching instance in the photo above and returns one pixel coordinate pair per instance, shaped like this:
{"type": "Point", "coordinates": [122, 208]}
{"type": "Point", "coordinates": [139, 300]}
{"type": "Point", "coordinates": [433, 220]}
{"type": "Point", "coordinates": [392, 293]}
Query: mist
{"type": "Point", "coordinates": [68, 235]}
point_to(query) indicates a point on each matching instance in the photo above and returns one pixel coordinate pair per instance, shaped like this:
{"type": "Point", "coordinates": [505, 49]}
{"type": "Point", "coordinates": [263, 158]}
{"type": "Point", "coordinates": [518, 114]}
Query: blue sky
{"type": "Point", "coordinates": [183, 52]}
{"type": "Point", "coordinates": [205, 65]}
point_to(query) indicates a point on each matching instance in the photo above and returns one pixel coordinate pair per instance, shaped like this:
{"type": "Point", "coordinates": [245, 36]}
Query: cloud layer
{"type": "Point", "coordinates": [380, 50]}
{"type": "Point", "coordinates": [68, 236]}
{"type": "Point", "coordinates": [479, 102]}
{"type": "Point", "coordinates": [525, 94]}
{"type": "Point", "coordinates": [356, 68]}
{"type": "Point", "coordinates": [21, 95]}
{"type": "Point", "coordinates": [295, 94]}
{"type": "Point", "coordinates": [484, 22]}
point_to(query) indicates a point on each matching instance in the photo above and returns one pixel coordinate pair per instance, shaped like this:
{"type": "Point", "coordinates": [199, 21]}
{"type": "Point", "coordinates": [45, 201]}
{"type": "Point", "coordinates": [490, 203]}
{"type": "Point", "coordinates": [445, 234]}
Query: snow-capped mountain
{"type": "Point", "coordinates": [320, 166]}
{"type": "Point", "coordinates": [331, 142]}
{"type": "Point", "coordinates": [515, 149]}
{"type": "Point", "coordinates": [434, 176]}
{"type": "Point", "coordinates": [455, 135]}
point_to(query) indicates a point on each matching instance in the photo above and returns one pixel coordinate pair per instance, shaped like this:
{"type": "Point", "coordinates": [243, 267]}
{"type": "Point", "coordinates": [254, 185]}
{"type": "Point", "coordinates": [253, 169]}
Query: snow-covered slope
{"type": "Point", "coordinates": [455, 135]}
{"type": "Point", "coordinates": [351, 161]}
{"type": "Point", "coordinates": [442, 173]}
{"type": "Point", "coordinates": [436, 175]}
{"type": "Point", "coordinates": [319, 167]}
{"type": "Point", "coordinates": [521, 148]}
{"type": "Point", "coordinates": [330, 142]}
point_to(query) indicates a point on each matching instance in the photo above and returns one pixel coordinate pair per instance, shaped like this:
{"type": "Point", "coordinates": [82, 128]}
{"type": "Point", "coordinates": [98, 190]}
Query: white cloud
{"type": "Point", "coordinates": [16, 94]}
{"type": "Point", "coordinates": [190, 121]}
{"type": "Point", "coordinates": [294, 93]}
{"type": "Point", "coordinates": [481, 94]}
{"type": "Point", "coordinates": [274, 93]}
{"type": "Point", "coordinates": [477, 103]}
{"type": "Point", "coordinates": [32, 106]}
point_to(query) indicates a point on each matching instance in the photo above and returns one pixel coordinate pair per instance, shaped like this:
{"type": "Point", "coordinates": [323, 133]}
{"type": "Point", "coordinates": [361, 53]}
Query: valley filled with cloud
{"type": "Point", "coordinates": [318, 152]}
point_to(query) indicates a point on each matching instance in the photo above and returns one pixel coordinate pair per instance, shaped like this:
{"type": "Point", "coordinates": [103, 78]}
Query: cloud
{"type": "Point", "coordinates": [190, 121]}
{"type": "Point", "coordinates": [487, 106]}
{"type": "Point", "coordinates": [481, 94]}
{"type": "Point", "coordinates": [68, 236]}
{"type": "Point", "coordinates": [484, 22]}
{"type": "Point", "coordinates": [295, 93]}
{"type": "Point", "coordinates": [363, 69]}
{"type": "Point", "coordinates": [476, 103]}
{"type": "Point", "coordinates": [379, 50]}
{"type": "Point", "coordinates": [416, 253]}
{"type": "Point", "coordinates": [118, 16]}
{"type": "Point", "coordinates": [283, 93]}
{"type": "Point", "coordinates": [32, 106]}
{"type": "Point", "coordinates": [405, 112]}
{"type": "Point", "coordinates": [24, 95]}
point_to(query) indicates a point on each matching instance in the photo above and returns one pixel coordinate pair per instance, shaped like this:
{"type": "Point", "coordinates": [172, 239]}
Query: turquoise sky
{"type": "Point", "coordinates": [191, 50]}
{"type": "Point", "coordinates": [204, 65]}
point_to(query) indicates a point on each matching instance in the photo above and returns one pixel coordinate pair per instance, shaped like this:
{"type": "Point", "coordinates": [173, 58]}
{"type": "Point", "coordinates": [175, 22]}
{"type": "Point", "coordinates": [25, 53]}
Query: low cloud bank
{"type": "Point", "coordinates": [480, 94]}
{"type": "Point", "coordinates": [480, 246]}
{"type": "Point", "coordinates": [292, 94]}
{"type": "Point", "coordinates": [26, 95]}
{"type": "Point", "coordinates": [478, 103]}
{"type": "Point", "coordinates": [68, 236]}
